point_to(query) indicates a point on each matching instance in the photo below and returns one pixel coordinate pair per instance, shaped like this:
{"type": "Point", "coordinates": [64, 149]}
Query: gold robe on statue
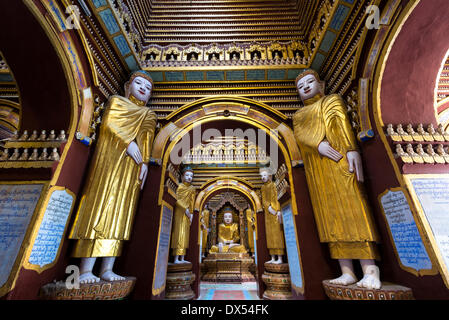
{"type": "Point", "coordinates": [205, 222]}
{"type": "Point", "coordinates": [108, 202]}
{"type": "Point", "coordinates": [251, 228]}
{"type": "Point", "coordinates": [228, 233]}
{"type": "Point", "coordinates": [339, 203]}
{"type": "Point", "coordinates": [185, 195]}
{"type": "Point", "coordinates": [273, 229]}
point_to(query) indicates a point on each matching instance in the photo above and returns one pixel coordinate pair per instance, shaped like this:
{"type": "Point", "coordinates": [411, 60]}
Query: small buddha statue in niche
{"type": "Point", "coordinates": [193, 57]}
{"type": "Point", "coordinates": [276, 56]}
{"type": "Point", "coordinates": [430, 151]}
{"type": "Point", "coordinates": [33, 136]}
{"type": "Point", "coordinates": [228, 236]}
{"type": "Point", "coordinates": [61, 136]}
{"type": "Point", "coordinates": [104, 218]}
{"type": "Point", "coordinates": [443, 132]}
{"type": "Point", "coordinates": [44, 155]}
{"type": "Point", "coordinates": [273, 218]}
{"type": "Point", "coordinates": [51, 136]}
{"type": "Point", "coordinates": [15, 136]}
{"type": "Point", "coordinates": [426, 157]}
{"type": "Point", "coordinates": [415, 136]}
{"type": "Point", "coordinates": [24, 136]}
{"type": "Point", "coordinates": [54, 156]}
{"type": "Point", "coordinates": [442, 153]}
{"type": "Point", "coordinates": [43, 136]}
{"type": "Point", "coordinates": [15, 156]}
{"type": "Point", "coordinates": [185, 200]}
{"type": "Point", "coordinates": [404, 135]}
{"type": "Point", "coordinates": [5, 155]}
{"type": "Point", "coordinates": [403, 155]}
{"type": "Point", "coordinates": [427, 136]}
{"type": "Point", "coordinates": [416, 157]}
{"type": "Point", "coordinates": [24, 156]}
{"type": "Point", "coordinates": [35, 155]}
{"type": "Point", "coordinates": [392, 133]}
{"type": "Point", "coordinates": [334, 174]}
{"type": "Point", "coordinates": [435, 134]}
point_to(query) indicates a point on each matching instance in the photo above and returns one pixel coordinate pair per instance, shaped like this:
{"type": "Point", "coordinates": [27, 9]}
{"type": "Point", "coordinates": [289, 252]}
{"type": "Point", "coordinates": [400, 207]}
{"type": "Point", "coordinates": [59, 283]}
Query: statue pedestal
{"type": "Point", "coordinates": [277, 279]}
{"type": "Point", "coordinates": [388, 291]}
{"type": "Point", "coordinates": [103, 290]}
{"type": "Point", "coordinates": [179, 281]}
{"type": "Point", "coordinates": [228, 267]}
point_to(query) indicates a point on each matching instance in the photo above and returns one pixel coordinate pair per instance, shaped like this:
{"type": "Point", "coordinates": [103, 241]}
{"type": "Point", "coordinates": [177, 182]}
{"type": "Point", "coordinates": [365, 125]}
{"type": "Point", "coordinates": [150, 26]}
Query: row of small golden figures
{"type": "Point", "coordinates": [420, 134]}
{"type": "Point", "coordinates": [35, 136]}
{"type": "Point", "coordinates": [26, 156]}
{"type": "Point", "coordinates": [421, 154]}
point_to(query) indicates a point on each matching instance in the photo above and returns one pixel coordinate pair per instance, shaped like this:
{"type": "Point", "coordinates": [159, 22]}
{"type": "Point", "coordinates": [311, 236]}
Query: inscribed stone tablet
{"type": "Point", "coordinates": [17, 205]}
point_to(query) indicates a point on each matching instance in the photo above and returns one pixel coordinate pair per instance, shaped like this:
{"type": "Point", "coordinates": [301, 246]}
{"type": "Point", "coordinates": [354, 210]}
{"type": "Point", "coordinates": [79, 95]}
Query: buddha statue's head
{"type": "Point", "coordinates": [309, 85]}
{"type": "Point", "coordinates": [139, 87]}
{"type": "Point", "coordinates": [227, 218]}
{"type": "Point", "coordinates": [265, 174]}
{"type": "Point", "coordinates": [187, 175]}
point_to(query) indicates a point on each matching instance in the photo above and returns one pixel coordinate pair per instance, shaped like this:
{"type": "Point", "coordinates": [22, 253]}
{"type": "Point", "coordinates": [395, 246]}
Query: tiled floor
{"type": "Point", "coordinates": [227, 291]}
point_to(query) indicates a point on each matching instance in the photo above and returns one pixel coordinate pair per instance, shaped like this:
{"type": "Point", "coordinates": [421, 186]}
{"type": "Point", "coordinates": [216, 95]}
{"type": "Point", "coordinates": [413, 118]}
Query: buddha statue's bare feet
{"type": "Point", "coordinates": [272, 260]}
{"type": "Point", "coordinates": [111, 276]}
{"type": "Point", "coordinates": [88, 277]}
{"type": "Point", "coordinates": [345, 279]}
{"type": "Point", "coordinates": [278, 261]}
{"type": "Point", "coordinates": [371, 278]}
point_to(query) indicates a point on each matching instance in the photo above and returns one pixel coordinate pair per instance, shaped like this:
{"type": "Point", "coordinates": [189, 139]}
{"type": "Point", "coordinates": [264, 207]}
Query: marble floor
{"type": "Point", "coordinates": [228, 291]}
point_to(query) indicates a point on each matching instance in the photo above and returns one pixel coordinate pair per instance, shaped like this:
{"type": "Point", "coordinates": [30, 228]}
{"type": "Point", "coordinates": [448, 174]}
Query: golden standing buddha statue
{"type": "Point", "coordinates": [185, 196]}
{"type": "Point", "coordinates": [273, 218]}
{"type": "Point", "coordinates": [117, 173]}
{"type": "Point", "coordinates": [334, 174]}
{"type": "Point", "coordinates": [204, 229]}
{"type": "Point", "coordinates": [250, 220]}
{"type": "Point", "coordinates": [228, 236]}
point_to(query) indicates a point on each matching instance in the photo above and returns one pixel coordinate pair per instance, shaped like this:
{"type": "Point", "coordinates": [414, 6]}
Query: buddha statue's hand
{"type": "Point", "coordinates": [189, 215]}
{"type": "Point", "coordinates": [134, 152]}
{"type": "Point", "coordinates": [272, 211]}
{"type": "Point", "coordinates": [143, 174]}
{"type": "Point", "coordinates": [355, 163]}
{"type": "Point", "coordinates": [326, 150]}
{"type": "Point", "coordinates": [279, 216]}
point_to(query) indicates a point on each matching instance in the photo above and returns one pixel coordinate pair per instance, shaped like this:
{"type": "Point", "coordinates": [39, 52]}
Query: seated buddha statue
{"type": "Point", "coordinates": [228, 236]}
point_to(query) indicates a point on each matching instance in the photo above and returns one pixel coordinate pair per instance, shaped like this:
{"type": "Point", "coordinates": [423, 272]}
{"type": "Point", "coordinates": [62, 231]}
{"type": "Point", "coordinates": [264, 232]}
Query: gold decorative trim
{"type": "Point", "coordinates": [75, 100]}
{"type": "Point", "coordinates": [377, 78]}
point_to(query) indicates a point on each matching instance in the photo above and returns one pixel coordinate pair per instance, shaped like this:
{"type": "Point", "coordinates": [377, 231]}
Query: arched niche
{"type": "Point", "coordinates": [213, 186]}
{"type": "Point", "coordinates": [412, 64]}
{"type": "Point", "coordinates": [46, 98]}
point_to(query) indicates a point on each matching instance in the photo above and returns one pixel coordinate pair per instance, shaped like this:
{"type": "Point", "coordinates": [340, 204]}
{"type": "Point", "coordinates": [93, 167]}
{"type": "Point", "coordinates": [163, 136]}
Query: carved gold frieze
{"type": "Point", "coordinates": [290, 53]}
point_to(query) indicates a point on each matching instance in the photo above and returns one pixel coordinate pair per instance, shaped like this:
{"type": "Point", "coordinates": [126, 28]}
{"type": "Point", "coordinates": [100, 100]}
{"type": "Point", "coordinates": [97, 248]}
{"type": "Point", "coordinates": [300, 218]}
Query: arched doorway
{"type": "Point", "coordinates": [229, 123]}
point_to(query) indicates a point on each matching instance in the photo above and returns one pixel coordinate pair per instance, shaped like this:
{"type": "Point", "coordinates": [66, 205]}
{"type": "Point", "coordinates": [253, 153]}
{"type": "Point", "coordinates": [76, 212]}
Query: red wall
{"type": "Point", "coordinates": [412, 68]}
